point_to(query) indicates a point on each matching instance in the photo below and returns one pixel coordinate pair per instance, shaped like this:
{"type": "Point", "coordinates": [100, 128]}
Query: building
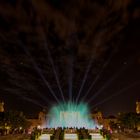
{"type": "Point", "coordinates": [40, 121]}
{"type": "Point", "coordinates": [97, 117]}
{"type": "Point", "coordinates": [108, 120]}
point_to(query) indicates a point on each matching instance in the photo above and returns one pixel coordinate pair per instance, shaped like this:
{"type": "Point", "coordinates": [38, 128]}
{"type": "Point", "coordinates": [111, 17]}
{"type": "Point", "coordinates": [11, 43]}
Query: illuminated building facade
{"type": "Point", "coordinates": [138, 107]}
{"type": "Point", "coordinates": [1, 106]}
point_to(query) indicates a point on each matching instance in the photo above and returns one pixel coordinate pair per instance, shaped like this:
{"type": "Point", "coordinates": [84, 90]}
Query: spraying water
{"type": "Point", "coordinates": [72, 115]}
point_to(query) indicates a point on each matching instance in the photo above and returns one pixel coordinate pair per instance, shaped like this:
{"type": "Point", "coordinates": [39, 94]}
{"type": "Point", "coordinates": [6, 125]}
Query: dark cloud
{"type": "Point", "coordinates": [80, 30]}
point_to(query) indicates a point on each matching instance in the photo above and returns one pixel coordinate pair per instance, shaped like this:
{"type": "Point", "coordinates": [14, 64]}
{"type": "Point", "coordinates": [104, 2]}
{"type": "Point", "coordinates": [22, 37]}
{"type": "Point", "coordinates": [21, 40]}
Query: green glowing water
{"type": "Point", "coordinates": [70, 115]}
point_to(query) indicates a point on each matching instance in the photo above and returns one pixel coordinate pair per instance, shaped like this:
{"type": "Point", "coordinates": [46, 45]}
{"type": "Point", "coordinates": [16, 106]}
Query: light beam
{"type": "Point", "coordinates": [97, 77]}
{"type": "Point", "coordinates": [84, 79]}
{"type": "Point", "coordinates": [40, 73]}
{"type": "Point", "coordinates": [106, 84]}
{"type": "Point", "coordinates": [55, 73]}
{"type": "Point", "coordinates": [116, 94]}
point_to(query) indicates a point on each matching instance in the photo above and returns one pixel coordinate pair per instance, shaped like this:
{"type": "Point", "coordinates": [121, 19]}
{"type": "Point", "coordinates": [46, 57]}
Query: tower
{"type": "Point", "coordinates": [42, 117]}
{"type": "Point", "coordinates": [1, 106]}
{"type": "Point", "coordinates": [138, 107]}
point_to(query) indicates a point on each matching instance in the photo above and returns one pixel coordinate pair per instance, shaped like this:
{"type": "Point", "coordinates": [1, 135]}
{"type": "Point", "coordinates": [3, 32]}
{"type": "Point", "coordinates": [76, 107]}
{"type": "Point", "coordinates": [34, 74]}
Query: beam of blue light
{"type": "Point", "coordinates": [111, 80]}
{"type": "Point", "coordinates": [25, 98]}
{"type": "Point", "coordinates": [96, 78]}
{"type": "Point", "coordinates": [70, 78]}
{"type": "Point", "coordinates": [115, 94]}
{"type": "Point", "coordinates": [55, 73]}
{"type": "Point", "coordinates": [38, 93]}
{"type": "Point", "coordinates": [33, 101]}
{"type": "Point", "coordinates": [84, 79]}
{"type": "Point", "coordinates": [51, 60]}
{"type": "Point", "coordinates": [40, 73]}
{"type": "Point", "coordinates": [107, 84]}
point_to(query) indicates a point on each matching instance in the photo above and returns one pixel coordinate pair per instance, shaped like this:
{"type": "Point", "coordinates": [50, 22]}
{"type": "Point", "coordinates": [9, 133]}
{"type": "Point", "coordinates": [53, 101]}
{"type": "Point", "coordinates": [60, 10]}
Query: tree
{"type": "Point", "coordinates": [113, 125]}
{"type": "Point", "coordinates": [129, 120]}
{"type": "Point", "coordinates": [15, 120]}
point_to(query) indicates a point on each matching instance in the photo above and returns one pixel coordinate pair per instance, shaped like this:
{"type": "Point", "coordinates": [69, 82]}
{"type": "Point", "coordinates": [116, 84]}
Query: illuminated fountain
{"type": "Point", "coordinates": [70, 115]}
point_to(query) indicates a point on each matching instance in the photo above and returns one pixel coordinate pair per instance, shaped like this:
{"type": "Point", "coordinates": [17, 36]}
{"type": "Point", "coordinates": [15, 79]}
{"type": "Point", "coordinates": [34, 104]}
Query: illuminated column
{"type": "Point", "coordinates": [1, 106]}
{"type": "Point", "coordinates": [138, 107]}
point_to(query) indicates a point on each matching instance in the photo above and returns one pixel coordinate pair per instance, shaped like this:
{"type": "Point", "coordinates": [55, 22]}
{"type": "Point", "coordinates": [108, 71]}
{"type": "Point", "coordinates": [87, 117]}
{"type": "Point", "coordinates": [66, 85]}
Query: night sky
{"type": "Point", "coordinates": [73, 43]}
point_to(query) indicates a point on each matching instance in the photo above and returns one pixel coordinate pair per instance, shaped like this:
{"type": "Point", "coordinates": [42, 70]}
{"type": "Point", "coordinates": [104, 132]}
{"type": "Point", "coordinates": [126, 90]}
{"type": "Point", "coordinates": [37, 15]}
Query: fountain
{"type": "Point", "coordinates": [70, 115]}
